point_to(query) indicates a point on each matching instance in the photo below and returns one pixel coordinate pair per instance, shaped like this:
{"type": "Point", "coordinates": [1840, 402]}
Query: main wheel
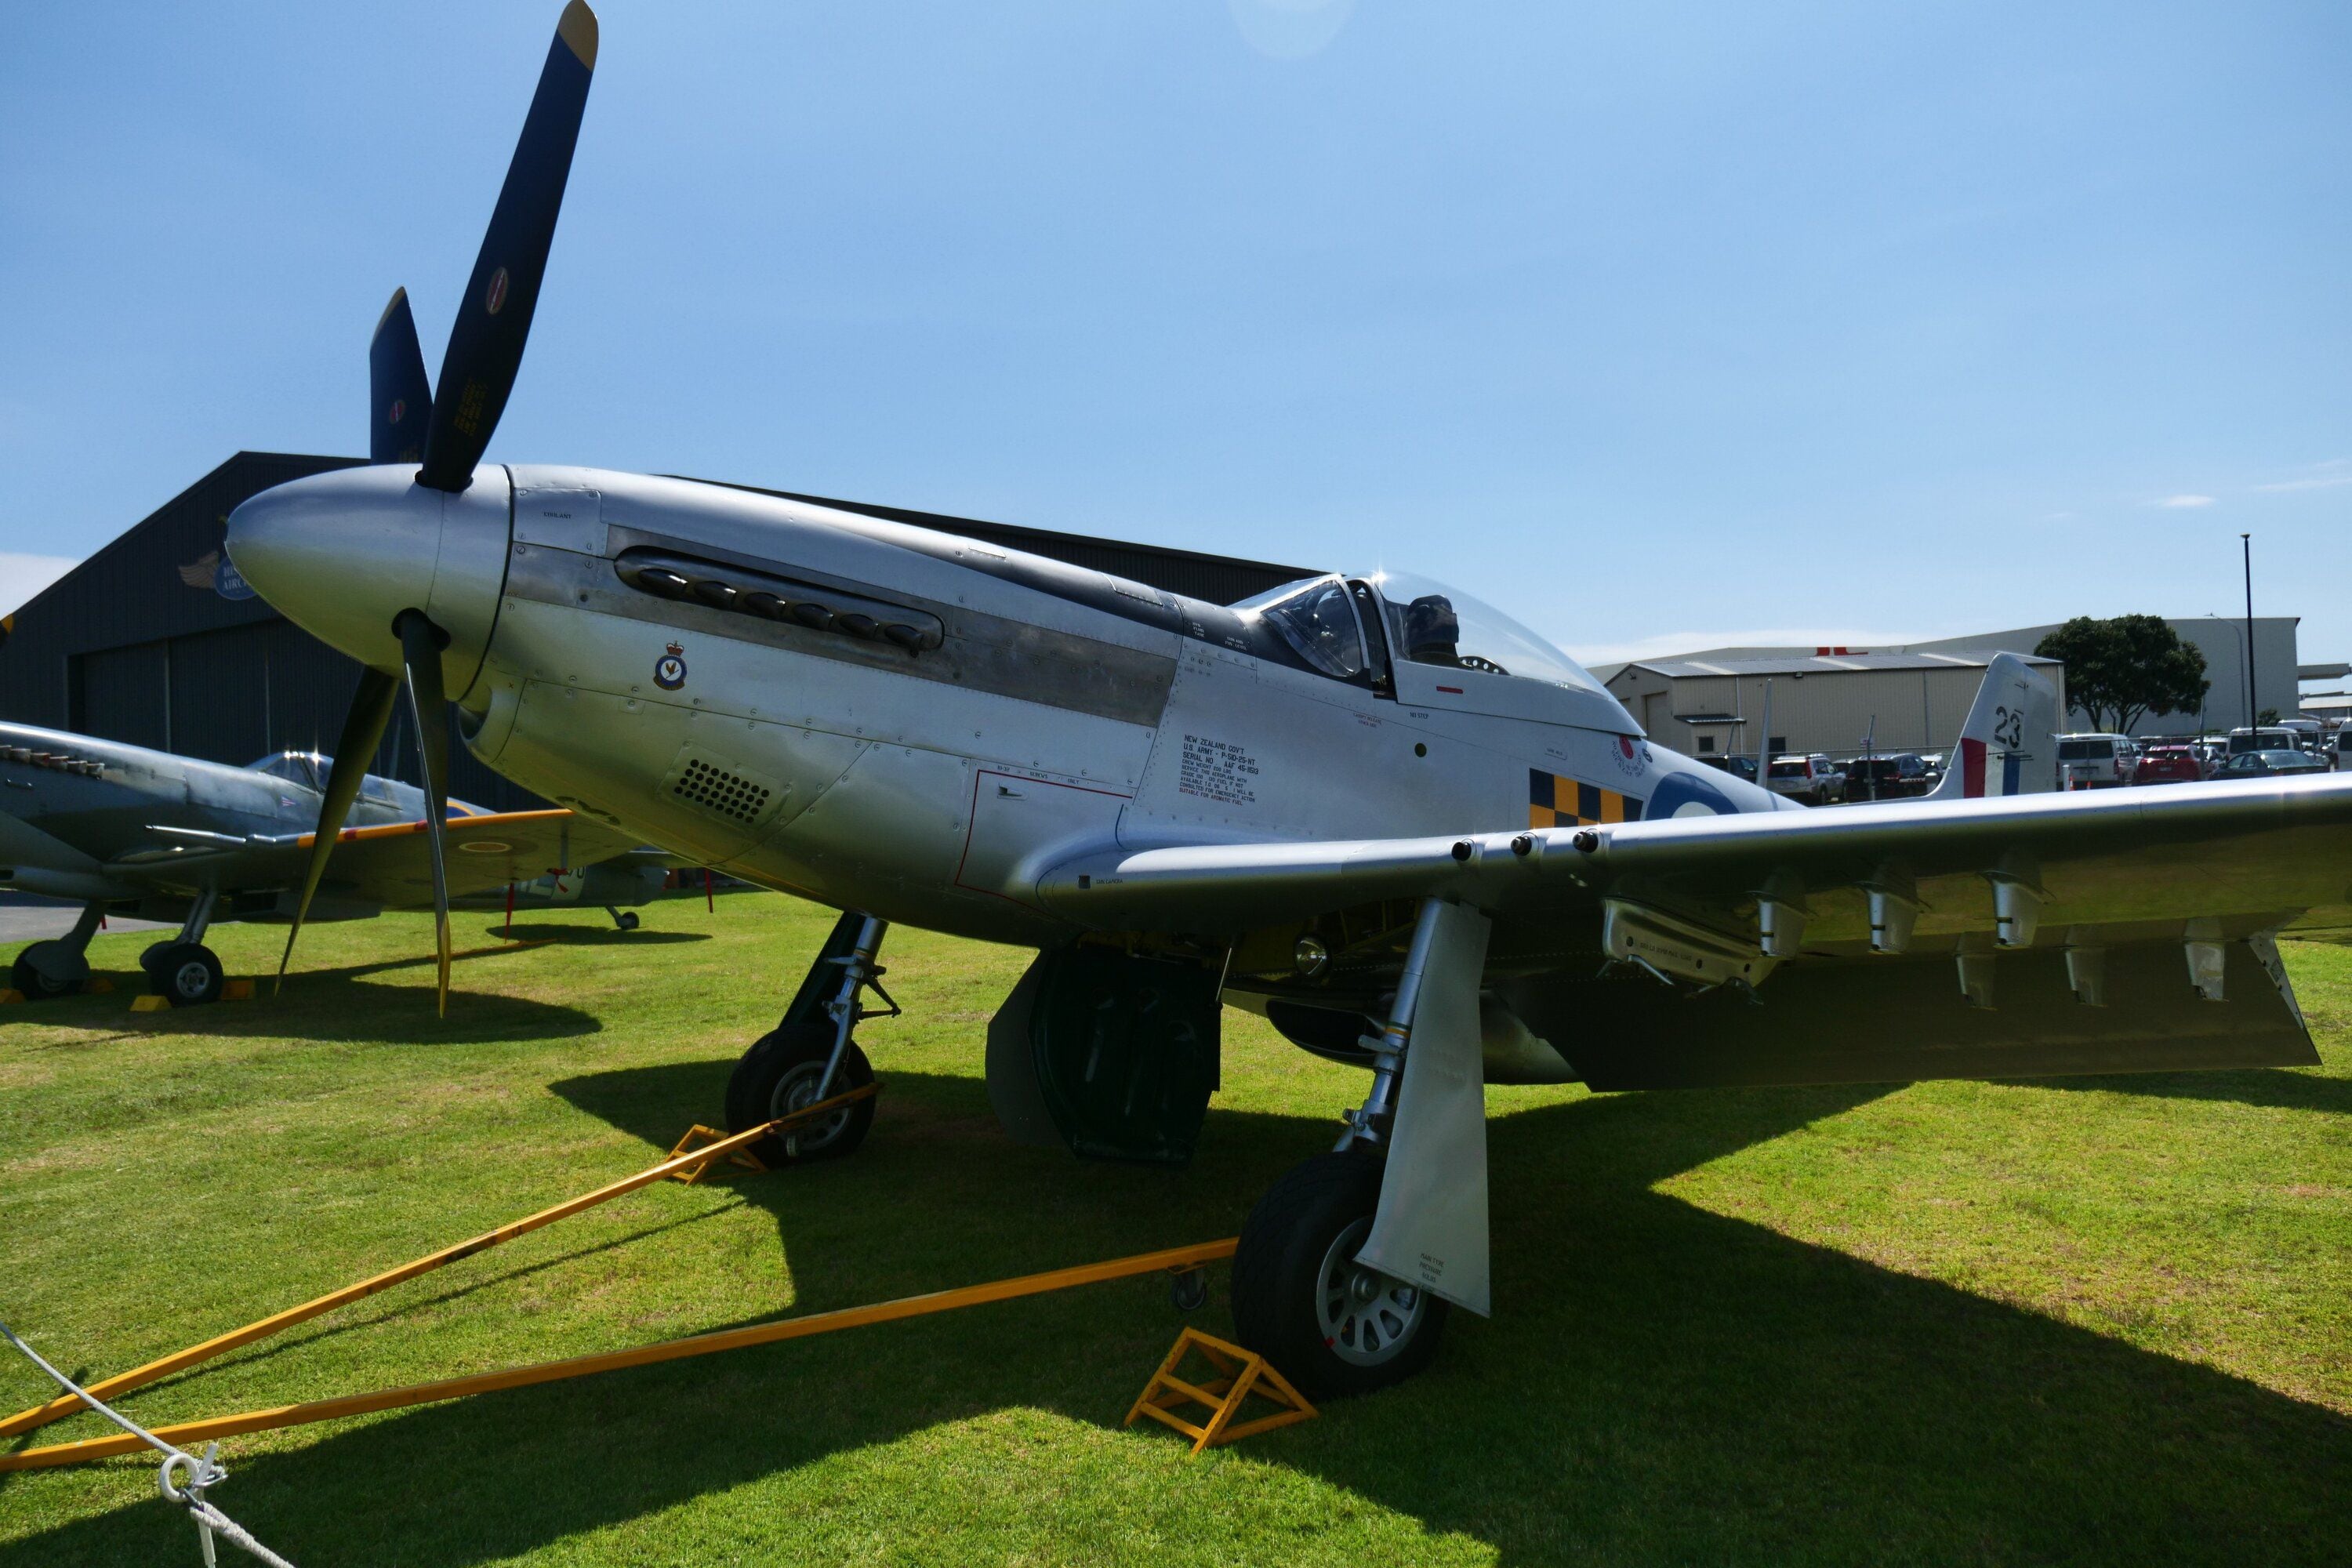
{"type": "Point", "coordinates": [27, 976]}
{"type": "Point", "coordinates": [780, 1074]}
{"type": "Point", "coordinates": [1326, 1323]}
{"type": "Point", "coordinates": [185, 973]}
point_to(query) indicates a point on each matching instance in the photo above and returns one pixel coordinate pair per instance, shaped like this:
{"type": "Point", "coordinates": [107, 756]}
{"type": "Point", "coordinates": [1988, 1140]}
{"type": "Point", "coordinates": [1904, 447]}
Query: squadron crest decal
{"type": "Point", "coordinates": [669, 669]}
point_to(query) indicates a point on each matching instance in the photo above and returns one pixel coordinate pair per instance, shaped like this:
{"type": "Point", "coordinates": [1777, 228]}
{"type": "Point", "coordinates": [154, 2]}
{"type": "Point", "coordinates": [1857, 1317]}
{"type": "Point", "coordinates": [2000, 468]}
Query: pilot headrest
{"type": "Point", "coordinates": [1431, 625]}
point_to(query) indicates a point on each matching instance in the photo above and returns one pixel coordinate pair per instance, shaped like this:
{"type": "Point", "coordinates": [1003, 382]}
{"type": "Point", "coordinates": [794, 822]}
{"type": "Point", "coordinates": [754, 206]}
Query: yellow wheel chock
{"type": "Point", "coordinates": [696, 1136]}
{"type": "Point", "coordinates": [1242, 1374]}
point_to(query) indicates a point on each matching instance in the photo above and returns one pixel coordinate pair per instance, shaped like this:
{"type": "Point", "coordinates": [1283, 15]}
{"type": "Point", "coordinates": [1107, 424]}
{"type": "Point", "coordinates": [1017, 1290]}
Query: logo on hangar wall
{"type": "Point", "coordinates": [217, 572]}
{"type": "Point", "coordinates": [669, 669]}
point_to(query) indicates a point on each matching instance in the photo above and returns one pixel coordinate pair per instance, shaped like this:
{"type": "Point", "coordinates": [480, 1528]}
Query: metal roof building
{"type": "Point", "coordinates": [156, 640]}
{"type": "Point", "coordinates": [1834, 702]}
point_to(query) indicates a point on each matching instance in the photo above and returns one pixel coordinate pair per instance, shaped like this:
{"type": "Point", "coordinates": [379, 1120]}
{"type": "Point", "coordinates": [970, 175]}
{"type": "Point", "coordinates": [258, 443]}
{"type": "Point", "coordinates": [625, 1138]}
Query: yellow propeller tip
{"type": "Point", "coordinates": [577, 29]}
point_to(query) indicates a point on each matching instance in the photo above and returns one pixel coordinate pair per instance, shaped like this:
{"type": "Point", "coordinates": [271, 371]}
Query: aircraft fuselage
{"type": "Point", "coordinates": [918, 724]}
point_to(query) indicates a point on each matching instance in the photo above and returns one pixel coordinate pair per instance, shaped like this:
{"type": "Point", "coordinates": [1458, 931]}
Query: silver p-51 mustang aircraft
{"type": "Point", "coordinates": [128, 830]}
{"type": "Point", "coordinates": [1413, 835]}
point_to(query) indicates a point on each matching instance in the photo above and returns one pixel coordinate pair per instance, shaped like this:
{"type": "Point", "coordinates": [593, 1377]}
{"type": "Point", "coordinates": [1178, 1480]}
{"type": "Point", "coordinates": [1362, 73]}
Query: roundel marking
{"type": "Point", "coordinates": [1686, 794]}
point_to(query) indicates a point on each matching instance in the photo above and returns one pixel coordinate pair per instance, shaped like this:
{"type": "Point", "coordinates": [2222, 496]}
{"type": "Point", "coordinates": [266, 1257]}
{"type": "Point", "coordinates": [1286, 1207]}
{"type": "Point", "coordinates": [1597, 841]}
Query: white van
{"type": "Point", "coordinates": [2267, 738]}
{"type": "Point", "coordinates": [2095, 762]}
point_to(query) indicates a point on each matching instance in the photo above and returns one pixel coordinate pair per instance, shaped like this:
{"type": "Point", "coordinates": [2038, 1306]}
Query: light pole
{"type": "Point", "coordinates": [2254, 715]}
{"type": "Point", "coordinates": [2245, 661]}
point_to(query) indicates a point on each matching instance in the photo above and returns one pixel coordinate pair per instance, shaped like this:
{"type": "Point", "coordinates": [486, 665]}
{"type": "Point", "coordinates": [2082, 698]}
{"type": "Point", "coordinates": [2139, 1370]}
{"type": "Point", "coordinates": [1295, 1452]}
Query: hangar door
{"type": "Point", "coordinates": [207, 695]}
{"type": "Point", "coordinates": [121, 693]}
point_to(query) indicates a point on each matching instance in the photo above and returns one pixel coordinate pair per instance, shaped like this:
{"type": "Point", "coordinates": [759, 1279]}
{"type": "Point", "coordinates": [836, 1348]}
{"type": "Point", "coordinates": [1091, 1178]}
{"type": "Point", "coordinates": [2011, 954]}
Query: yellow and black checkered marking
{"type": "Point", "coordinates": [1556, 801]}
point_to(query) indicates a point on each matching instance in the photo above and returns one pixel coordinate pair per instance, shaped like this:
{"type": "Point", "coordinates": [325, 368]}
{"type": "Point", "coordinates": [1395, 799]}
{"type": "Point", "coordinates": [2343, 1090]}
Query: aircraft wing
{"type": "Point", "coordinates": [40, 862]}
{"type": "Point", "coordinates": [2275, 850]}
{"type": "Point", "coordinates": [392, 864]}
{"type": "Point", "coordinates": [2146, 903]}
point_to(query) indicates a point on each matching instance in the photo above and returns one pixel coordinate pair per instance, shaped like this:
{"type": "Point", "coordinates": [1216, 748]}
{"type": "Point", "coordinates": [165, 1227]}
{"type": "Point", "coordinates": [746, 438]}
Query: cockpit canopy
{"type": "Point", "coordinates": [312, 770]}
{"type": "Point", "coordinates": [308, 769]}
{"type": "Point", "coordinates": [1421, 621]}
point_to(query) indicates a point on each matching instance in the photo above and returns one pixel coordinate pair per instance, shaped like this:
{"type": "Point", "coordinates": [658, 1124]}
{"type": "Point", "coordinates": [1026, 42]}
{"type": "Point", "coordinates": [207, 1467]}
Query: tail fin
{"type": "Point", "coordinates": [2006, 747]}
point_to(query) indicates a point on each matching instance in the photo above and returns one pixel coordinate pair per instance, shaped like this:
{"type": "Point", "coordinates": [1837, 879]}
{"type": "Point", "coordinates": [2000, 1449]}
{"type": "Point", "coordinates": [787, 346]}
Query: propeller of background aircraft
{"type": "Point", "coordinates": [446, 434]}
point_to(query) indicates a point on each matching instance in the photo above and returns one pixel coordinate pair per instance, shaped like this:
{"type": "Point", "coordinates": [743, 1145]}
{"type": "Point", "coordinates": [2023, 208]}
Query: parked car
{"type": "Point", "coordinates": [1887, 778]}
{"type": "Point", "coordinates": [1738, 767]}
{"type": "Point", "coordinates": [2258, 764]}
{"type": "Point", "coordinates": [2169, 765]}
{"type": "Point", "coordinates": [2268, 738]}
{"type": "Point", "coordinates": [1813, 778]}
{"type": "Point", "coordinates": [2096, 761]}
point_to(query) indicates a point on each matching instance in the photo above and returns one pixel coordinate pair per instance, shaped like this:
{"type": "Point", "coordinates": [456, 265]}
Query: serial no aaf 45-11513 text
{"type": "Point", "coordinates": [1413, 835]}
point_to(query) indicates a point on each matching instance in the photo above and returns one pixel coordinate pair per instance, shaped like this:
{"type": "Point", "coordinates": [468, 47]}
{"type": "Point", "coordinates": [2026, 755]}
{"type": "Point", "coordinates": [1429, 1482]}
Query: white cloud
{"type": "Point", "coordinates": [2180, 501]}
{"type": "Point", "coordinates": [22, 577]}
{"type": "Point", "coordinates": [2323, 476]}
{"type": "Point", "coordinates": [1290, 29]}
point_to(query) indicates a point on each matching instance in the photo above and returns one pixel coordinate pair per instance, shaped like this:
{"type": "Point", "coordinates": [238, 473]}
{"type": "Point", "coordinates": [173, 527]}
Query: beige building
{"type": "Point", "coordinates": [1836, 702]}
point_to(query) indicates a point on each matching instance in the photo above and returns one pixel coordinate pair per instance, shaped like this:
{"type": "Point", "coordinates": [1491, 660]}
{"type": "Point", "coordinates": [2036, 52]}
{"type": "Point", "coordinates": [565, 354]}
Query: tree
{"type": "Point", "coordinates": [2119, 670]}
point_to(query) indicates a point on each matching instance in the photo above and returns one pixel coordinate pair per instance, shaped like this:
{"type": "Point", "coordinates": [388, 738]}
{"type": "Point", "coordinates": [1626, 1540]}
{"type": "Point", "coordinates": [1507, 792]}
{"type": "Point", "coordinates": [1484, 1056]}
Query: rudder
{"type": "Point", "coordinates": [2007, 746]}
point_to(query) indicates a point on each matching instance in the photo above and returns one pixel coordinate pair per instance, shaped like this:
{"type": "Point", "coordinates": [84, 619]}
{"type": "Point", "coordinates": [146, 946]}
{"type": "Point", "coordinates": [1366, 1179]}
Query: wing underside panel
{"type": "Point", "coordinates": [1879, 1020]}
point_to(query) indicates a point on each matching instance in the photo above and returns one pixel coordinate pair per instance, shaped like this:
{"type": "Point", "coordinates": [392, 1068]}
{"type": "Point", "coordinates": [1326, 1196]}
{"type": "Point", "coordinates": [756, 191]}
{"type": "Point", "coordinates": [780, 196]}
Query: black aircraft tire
{"type": "Point", "coordinates": [37, 986]}
{"type": "Point", "coordinates": [1291, 1286]}
{"type": "Point", "coordinates": [783, 1069]}
{"type": "Point", "coordinates": [626, 919]}
{"type": "Point", "coordinates": [185, 973]}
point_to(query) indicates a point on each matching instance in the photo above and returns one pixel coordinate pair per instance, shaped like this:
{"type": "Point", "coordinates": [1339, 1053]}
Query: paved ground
{"type": "Point", "coordinates": [24, 917]}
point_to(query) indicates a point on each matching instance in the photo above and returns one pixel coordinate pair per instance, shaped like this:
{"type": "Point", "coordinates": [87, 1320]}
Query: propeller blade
{"type": "Point", "coordinates": [371, 710]}
{"type": "Point", "coordinates": [400, 400]}
{"type": "Point", "coordinates": [420, 648]}
{"type": "Point", "coordinates": [487, 340]}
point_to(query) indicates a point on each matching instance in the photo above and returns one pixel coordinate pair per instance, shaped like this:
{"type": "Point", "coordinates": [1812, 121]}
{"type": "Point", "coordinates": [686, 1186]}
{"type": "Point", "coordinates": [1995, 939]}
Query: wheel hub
{"type": "Point", "coordinates": [1366, 1317]}
{"type": "Point", "coordinates": [796, 1090]}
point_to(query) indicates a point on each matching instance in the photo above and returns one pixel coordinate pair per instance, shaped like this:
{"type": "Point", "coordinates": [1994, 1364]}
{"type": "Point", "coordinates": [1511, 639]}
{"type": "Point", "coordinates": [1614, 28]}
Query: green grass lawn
{"type": "Point", "coordinates": [2104, 1321]}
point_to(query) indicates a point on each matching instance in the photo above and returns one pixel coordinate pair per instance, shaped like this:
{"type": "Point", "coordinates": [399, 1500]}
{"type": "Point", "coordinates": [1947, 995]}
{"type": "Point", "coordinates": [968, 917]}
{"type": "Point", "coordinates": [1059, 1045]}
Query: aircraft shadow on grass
{"type": "Point", "coordinates": [327, 1004]}
{"type": "Point", "coordinates": [2284, 1088]}
{"type": "Point", "coordinates": [1659, 1383]}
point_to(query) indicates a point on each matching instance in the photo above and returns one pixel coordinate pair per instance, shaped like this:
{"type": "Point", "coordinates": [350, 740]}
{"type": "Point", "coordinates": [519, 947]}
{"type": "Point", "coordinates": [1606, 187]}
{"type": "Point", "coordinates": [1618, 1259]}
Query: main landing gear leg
{"type": "Point", "coordinates": [184, 971]}
{"type": "Point", "coordinates": [811, 1054]}
{"type": "Point", "coordinates": [57, 967]}
{"type": "Point", "coordinates": [1348, 1264]}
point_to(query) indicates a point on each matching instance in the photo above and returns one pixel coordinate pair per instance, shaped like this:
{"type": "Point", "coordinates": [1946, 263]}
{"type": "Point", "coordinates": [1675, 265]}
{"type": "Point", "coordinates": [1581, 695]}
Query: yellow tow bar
{"type": "Point", "coordinates": [1175, 1260]}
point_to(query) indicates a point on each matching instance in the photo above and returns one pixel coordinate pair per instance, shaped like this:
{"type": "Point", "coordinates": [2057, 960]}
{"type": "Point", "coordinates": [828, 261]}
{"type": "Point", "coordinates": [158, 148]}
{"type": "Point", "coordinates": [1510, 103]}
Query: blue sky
{"type": "Point", "coordinates": [1657, 326]}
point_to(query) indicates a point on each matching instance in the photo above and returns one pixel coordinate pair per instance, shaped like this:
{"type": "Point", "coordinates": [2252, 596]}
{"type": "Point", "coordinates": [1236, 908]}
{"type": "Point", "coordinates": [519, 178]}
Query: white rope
{"type": "Point", "coordinates": [202, 1473]}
